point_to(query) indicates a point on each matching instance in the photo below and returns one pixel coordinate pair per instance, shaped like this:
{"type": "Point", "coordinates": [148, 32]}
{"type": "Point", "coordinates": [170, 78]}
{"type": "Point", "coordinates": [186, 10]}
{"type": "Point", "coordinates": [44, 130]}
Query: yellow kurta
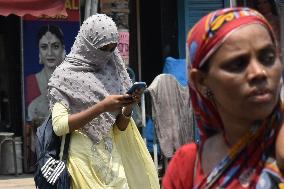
{"type": "Point", "coordinates": [128, 165]}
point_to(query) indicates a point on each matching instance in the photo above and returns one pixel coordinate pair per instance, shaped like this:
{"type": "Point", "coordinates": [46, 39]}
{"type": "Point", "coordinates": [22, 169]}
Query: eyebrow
{"type": "Point", "coordinates": [273, 46]}
{"type": "Point", "coordinates": [260, 50]}
{"type": "Point", "coordinates": [56, 42]}
{"type": "Point", "coordinates": [267, 47]}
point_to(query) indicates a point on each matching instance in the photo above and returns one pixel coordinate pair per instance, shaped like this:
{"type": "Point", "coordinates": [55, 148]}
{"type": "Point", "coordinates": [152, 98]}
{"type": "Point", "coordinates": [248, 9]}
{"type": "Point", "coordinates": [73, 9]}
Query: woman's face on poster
{"type": "Point", "coordinates": [51, 50]}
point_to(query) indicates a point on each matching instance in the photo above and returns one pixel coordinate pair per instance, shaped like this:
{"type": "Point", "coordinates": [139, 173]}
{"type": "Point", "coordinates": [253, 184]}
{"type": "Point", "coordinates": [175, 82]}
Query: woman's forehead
{"type": "Point", "coordinates": [48, 37]}
{"type": "Point", "coordinates": [246, 33]}
{"type": "Point", "coordinates": [245, 40]}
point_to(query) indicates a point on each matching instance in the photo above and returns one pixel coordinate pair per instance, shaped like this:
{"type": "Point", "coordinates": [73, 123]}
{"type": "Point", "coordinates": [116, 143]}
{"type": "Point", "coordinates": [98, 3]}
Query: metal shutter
{"type": "Point", "coordinates": [190, 11]}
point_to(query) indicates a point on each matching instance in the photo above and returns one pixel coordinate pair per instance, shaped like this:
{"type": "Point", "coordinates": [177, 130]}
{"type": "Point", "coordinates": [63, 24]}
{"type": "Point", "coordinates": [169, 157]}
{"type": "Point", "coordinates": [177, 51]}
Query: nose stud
{"type": "Point", "coordinates": [264, 72]}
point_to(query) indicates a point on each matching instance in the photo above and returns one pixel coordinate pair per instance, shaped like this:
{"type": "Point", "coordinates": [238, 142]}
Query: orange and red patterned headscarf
{"type": "Point", "coordinates": [202, 42]}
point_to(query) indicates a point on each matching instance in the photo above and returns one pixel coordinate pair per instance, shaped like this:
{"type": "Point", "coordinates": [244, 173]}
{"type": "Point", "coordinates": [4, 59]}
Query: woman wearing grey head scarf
{"type": "Point", "coordinates": [88, 99]}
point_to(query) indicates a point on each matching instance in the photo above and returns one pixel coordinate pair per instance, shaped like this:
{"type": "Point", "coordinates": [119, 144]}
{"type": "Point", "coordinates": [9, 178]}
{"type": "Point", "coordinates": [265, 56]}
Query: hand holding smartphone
{"type": "Point", "coordinates": [137, 86]}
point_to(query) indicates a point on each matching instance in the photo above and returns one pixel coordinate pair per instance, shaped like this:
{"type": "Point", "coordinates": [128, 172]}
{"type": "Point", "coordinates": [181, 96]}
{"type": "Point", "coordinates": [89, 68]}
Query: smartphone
{"type": "Point", "coordinates": [135, 86]}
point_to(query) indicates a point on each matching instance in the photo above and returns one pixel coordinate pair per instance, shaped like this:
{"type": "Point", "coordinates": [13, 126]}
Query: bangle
{"type": "Point", "coordinates": [126, 116]}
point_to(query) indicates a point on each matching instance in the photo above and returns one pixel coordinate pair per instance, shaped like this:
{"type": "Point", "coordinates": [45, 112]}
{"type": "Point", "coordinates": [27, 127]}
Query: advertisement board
{"type": "Point", "coordinates": [45, 41]}
{"type": "Point", "coordinates": [123, 45]}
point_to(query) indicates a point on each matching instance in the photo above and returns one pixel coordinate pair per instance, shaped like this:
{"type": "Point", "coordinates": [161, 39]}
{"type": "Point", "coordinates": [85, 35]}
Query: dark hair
{"type": "Point", "coordinates": [52, 29]}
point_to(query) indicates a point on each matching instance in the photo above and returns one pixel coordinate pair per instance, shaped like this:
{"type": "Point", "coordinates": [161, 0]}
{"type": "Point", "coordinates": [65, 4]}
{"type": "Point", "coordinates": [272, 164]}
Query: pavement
{"type": "Point", "coordinates": [22, 181]}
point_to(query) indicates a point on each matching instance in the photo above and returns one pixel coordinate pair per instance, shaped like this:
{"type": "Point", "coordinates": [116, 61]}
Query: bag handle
{"type": "Point", "coordinates": [66, 147]}
{"type": "Point", "coordinates": [66, 143]}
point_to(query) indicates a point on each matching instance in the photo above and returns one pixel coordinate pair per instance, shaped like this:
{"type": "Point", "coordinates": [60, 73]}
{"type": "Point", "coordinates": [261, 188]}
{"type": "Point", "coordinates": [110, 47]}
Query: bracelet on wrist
{"type": "Point", "coordinates": [126, 116]}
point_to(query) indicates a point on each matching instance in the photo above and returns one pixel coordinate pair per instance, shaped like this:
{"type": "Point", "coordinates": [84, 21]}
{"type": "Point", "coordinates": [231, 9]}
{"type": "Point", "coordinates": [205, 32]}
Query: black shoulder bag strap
{"type": "Point", "coordinates": [66, 148]}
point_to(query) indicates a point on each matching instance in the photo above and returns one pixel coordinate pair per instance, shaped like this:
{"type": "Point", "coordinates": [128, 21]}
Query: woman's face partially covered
{"type": "Point", "coordinates": [244, 74]}
{"type": "Point", "coordinates": [51, 51]}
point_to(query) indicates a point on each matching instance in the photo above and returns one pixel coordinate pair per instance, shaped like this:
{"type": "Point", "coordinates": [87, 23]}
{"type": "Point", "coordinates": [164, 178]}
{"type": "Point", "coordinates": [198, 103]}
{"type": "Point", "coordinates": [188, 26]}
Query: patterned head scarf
{"type": "Point", "coordinates": [88, 74]}
{"type": "Point", "coordinates": [202, 42]}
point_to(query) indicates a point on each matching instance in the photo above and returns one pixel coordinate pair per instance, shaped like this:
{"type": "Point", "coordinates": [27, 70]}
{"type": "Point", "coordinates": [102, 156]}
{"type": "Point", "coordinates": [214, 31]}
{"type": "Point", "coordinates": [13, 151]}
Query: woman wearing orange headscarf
{"type": "Point", "coordinates": [235, 79]}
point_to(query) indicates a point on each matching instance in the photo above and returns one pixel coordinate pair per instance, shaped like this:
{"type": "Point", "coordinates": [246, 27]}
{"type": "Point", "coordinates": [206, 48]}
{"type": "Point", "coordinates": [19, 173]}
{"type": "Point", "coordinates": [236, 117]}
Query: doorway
{"type": "Point", "coordinates": [10, 75]}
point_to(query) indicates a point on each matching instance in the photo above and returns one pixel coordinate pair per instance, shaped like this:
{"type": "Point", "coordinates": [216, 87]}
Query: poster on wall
{"type": "Point", "coordinates": [123, 45]}
{"type": "Point", "coordinates": [46, 41]}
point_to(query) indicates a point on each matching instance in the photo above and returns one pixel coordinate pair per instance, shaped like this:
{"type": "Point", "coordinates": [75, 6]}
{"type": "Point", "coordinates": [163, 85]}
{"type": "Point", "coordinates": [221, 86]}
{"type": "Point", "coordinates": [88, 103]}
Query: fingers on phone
{"type": "Point", "coordinates": [127, 98]}
{"type": "Point", "coordinates": [139, 91]}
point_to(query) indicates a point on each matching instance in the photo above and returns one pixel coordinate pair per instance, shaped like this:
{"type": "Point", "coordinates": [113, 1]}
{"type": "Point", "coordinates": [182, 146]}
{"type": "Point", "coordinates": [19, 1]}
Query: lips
{"type": "Point", "coordinates": [261, 95]}
{"type": "Point", "coordinates": [51, 60]}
